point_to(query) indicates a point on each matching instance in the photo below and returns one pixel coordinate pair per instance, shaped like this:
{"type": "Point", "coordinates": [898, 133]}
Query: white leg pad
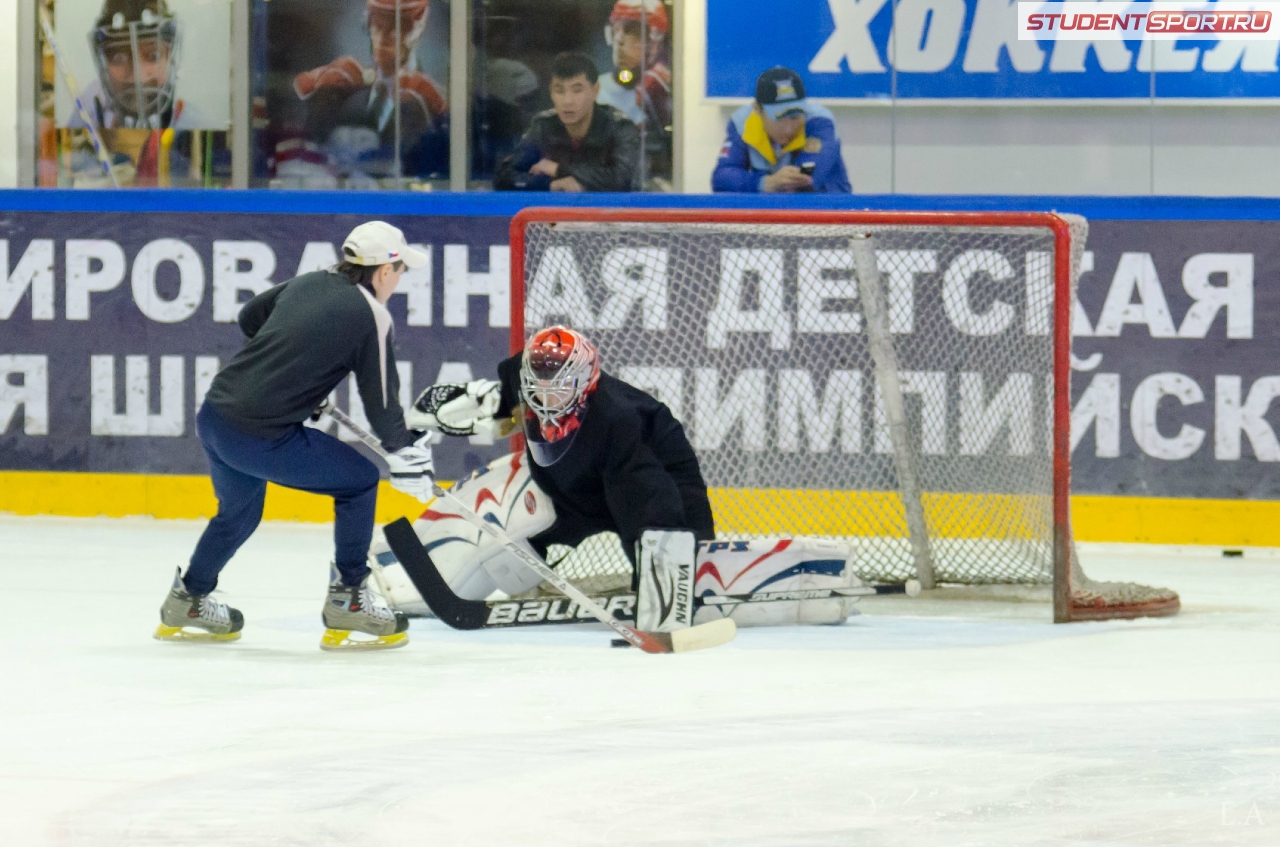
{"type": "Point", "coordinates": [666, 559]}
{"type": "Point", "coordinates": [760, 565]}
{"type": "Point", "coordinates": [472, 563]}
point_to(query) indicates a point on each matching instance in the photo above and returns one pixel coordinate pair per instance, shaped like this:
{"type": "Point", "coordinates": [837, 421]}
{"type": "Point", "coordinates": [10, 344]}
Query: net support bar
{"type": "Point", "coordinates": [875, 312]}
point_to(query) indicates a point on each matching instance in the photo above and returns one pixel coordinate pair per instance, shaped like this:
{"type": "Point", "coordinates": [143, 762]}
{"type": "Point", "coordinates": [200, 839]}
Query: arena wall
{"type": "Point", "coordinates": [117, 308]}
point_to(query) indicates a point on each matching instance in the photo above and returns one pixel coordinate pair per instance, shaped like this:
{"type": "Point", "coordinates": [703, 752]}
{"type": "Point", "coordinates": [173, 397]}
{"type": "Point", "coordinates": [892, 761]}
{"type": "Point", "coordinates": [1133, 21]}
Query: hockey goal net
{"type": "Point", "coordinates": [900, 380]}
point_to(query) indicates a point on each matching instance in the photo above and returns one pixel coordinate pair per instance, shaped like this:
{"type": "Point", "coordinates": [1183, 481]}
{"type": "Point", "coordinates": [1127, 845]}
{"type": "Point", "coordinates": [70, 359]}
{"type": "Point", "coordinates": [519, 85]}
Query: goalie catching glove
{"type": "Point", "coordinates": [458, 409]}
{"type": "Point", "coordinates": [412, 470]}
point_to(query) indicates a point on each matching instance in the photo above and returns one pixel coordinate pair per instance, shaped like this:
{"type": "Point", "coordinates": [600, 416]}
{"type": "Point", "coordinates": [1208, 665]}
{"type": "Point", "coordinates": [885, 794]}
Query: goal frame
{"type": "Point", "coordinates": [1063, 294]}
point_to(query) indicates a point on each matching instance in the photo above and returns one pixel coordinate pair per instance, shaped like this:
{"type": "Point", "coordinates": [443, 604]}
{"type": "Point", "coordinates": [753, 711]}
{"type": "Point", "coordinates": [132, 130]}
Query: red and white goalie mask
{"type": "Point", "coordinates": [558, 372]}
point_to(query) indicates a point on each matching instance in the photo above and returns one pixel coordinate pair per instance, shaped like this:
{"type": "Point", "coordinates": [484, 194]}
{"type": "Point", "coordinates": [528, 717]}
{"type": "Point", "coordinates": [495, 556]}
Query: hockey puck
{"type": "Point", "coordinates": [619, 642]}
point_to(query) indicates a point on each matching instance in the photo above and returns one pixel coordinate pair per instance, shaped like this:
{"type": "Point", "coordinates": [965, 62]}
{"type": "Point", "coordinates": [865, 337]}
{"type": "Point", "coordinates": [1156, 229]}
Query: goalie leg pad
{"type": "Point", "coordinates": [666, 560]}
{"type": "Point", "coordinates": [775, 565]}
{"type": "Point", "coordinates": [394, 584]}
{"type": "Point", "coordinates": [472, 563]}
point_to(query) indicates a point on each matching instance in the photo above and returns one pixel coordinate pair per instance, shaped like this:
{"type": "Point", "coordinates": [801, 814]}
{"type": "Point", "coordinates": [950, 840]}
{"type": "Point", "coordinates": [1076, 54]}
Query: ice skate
{"type": "Point", "coordinates": [357, 609]}
{"type": "Point", "coordinates": [196, 617]}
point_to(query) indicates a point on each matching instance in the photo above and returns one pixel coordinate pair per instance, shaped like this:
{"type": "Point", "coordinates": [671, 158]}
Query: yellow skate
{"type": "Point", "coordinates": [196, 617]}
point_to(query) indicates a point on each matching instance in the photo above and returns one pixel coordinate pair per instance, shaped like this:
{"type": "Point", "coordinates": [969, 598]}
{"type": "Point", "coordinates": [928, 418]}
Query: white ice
{"type": "Point", "coordinates": [919, 723]}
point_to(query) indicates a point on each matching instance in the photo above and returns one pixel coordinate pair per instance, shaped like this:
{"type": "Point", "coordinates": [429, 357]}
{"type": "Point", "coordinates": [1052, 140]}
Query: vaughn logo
{"type": "Point", "coordinates": [1223, 21]}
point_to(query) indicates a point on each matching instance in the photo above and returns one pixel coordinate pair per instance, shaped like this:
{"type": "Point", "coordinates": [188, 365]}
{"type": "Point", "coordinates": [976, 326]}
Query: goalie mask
{"type": "Point", "coordinates": [558, 372]}
{"type": "Point", "coordinates": [135, 49]}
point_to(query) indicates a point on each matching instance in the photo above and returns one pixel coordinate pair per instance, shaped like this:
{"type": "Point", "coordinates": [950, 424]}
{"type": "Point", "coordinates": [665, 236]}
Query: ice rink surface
{"type": "Point", "coordinates": [921, 722]}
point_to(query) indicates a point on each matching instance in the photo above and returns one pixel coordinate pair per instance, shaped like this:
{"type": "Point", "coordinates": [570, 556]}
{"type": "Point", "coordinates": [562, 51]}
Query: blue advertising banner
{"type": "Point", "coordinates": [962, 49]}
{"type": "Point", "coordinates": [113, 324]}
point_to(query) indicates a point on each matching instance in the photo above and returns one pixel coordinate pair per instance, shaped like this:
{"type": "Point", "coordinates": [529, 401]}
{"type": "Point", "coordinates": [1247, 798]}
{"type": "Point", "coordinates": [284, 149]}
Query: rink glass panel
{"type": "Point", "coordinates": [753, 336]}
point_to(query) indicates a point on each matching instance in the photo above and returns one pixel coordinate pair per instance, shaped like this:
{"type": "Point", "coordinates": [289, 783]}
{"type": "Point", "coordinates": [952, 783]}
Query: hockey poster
{"type": "Point", "coordinates": [144, 64]}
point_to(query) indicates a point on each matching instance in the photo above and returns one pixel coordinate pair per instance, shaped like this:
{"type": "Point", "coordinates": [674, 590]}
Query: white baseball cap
{"type": "Point", "coordinates": [380, 243]}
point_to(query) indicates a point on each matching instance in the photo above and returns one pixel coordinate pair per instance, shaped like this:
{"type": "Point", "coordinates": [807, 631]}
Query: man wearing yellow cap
{"type": "Point", "coordinates": [781, 143]}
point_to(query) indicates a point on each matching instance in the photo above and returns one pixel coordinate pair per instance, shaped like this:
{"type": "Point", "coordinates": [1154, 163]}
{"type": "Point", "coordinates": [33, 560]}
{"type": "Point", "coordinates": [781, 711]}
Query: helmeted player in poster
{"type": "Point", "coordinates": [600, 455]}
{"type": "Point", "coordinates": [639, 32]}
{"type": "Point", "coordinates": [351, 108]}
{"type": "Point", "coordinates": [136, 50]}
{"type": "Point", "coordinates": [136, 46]}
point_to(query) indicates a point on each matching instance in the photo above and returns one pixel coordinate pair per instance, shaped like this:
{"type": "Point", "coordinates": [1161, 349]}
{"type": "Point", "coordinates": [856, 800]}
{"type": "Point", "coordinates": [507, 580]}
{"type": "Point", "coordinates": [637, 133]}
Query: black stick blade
{"type": "Point", "coordinates": [444, 604]}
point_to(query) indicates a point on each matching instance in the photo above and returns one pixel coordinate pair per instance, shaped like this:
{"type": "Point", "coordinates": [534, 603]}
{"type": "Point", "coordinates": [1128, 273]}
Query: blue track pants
{"type": "Point", "coordinates": [303, 458]}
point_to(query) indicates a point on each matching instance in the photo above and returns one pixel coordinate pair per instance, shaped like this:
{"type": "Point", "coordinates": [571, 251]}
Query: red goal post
{"type": "Point", "coordinates": [749, 280]}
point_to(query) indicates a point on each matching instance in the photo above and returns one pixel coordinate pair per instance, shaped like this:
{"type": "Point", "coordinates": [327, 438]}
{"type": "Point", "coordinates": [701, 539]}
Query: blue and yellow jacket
{"type": "Point", "coordinates": [747, 156]}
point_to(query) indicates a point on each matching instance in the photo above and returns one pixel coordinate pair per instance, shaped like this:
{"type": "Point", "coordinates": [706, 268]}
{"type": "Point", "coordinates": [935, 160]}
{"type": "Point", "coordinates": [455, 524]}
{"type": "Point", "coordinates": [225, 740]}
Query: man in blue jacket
{"type": "Point", "coordinates": [781, 142]}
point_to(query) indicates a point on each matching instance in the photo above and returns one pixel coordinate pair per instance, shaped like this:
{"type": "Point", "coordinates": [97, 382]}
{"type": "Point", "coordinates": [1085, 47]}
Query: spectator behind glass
{"type": "Point", "coordinates": [781, 142]}
{"type": "Point", "coordinates": [579, 145]}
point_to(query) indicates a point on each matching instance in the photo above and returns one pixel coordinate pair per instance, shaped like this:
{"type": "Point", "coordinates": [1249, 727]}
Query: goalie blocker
{"type": "Point", "coordinates": [672, 570]}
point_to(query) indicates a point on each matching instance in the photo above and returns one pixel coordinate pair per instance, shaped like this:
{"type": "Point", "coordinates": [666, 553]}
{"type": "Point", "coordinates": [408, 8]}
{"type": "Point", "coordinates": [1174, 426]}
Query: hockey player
{"type": "Point", "coordinates": [781, 143]}
{"type": "Point", "coordinates": [640, 84]}
{"type": "Point", "coordinates": [600, 456]}
{"type": "Point", "coordinates": [346, 100]}
{"type": "Point", "coordinates": [135, 47]}
{"type": "Point", "coordinates": [135, 50]}
{"type": "Point", "coordinates": [304, 337]}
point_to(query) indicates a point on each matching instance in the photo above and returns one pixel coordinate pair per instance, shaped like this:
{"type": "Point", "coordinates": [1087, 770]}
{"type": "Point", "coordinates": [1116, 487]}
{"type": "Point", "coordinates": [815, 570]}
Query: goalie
{"type": "Point", "coordinates": [600, 456]}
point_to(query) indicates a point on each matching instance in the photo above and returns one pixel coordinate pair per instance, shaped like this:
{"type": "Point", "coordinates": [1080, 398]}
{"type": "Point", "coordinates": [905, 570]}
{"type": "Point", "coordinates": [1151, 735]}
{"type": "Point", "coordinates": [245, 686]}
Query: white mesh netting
{"type": "Point", "coordinates": [756, 337]}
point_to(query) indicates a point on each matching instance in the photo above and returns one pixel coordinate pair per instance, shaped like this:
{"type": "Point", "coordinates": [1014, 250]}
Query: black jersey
{"type": "Point", "coordinates": [630, 468]}
{"type": "Point", "coordinates": [305, 336]}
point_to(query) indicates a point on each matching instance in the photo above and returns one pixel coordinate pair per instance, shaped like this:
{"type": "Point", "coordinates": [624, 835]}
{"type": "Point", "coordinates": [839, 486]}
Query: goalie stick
{"type": "Point", "coordinates": [700, 637]}
{"type": "Point", "coordinates": [546, 611]}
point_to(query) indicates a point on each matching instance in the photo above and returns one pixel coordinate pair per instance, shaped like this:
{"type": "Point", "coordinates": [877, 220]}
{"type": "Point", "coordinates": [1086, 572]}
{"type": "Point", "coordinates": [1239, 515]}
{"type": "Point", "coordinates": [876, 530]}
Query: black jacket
{"type": "Point", "coordinates": [606, 159]}
{"type": "Point", "coordinates": [630, 467]}
{"type": "Point", "coordinates": [305, 336]}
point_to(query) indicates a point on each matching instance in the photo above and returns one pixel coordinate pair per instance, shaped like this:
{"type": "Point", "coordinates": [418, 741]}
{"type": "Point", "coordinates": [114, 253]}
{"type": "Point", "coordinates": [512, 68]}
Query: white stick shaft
{"type": "Point", "coordinates": [90, 124]}
{"type": "Point", "coordinates": [531, 560]}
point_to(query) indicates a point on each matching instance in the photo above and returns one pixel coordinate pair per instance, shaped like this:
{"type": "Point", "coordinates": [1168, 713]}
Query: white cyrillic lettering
{"type": "Point", "coordinates": [1135, 271]}
{"type": "Point", "coordinates": [929, 34]}
{"type": "Point", "coordinates": [932, 388]}
{"type": "Point", "coordinates": [899, 269]}
{"type": "Point", "coordinates": [557, 292]}
{"type": "Point", "coordinates": [1251, 56]}
{"type": "Point", "coordinates": [460, 284]}
{"type": "Point", "coordinates": [729, 315]}
{"type": "Point", "coordinates": [955, 293]}
{"type": "Point", "coordinates": [840, 405]}
{"type": "Point", "coordinates": [190, 280]}
{"type": "Point", "coordinates": [229, 280]}
{"type": "Point", "coordinates": [1039, 317]}
{"type": "Point", "coordinates": [995, 27]}
{"type": "Point", "coordinates": [137, 418]}
{"type": "Point", "coordinates": [1144, 411]}
{"type": "Point", "coordinates": [714, 419]}
{"type": "Point", "coordinates": [1236, 296]}
{"type": "Point", "coordinates": [316, 256]}
{"type": "Point", "coordinates": [82, 280]}
{"type": "Point", "coordinates": [815, 290]}
{"type": "Point", "coordinates": [415, 285]}
{"type": "Point", "coordinates": [1080, 325]}
{"type": "Point", "coordinates": [34, 271]}
{"type": "Point", "coordinates": [1100, 405]}
{"type": "Point", "coordinates": [981, 422]}
{"type": "Point", "coordinates": [1230, 418]}
{"type": "Point", "coordinates": [32, 395]}
{"type": "Point", "coordinates": [851, 41]}
{"type": "Point", "coordinates": [206, 369]}
{"type": "Point", "coordinates": [634, 275]}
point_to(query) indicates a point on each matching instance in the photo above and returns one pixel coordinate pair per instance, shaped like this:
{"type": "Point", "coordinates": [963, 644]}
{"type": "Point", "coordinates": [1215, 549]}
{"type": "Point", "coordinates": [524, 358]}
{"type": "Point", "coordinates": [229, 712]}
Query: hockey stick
{"type": "Point", "coordinates": [681, 641]}
{"type": "Point", "coordinates": [74, 90]}
{"type": "Point", "coordinates": [549, 611]}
